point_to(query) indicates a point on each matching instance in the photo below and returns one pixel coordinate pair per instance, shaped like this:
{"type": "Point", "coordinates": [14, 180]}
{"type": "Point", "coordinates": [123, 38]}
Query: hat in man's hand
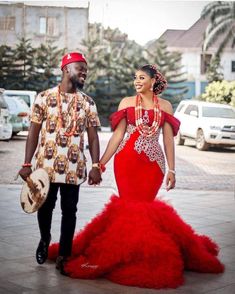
{"type": "Point", "coordinates": [72, 57]}
{"type": "Point", "coordinates": [35, 190]}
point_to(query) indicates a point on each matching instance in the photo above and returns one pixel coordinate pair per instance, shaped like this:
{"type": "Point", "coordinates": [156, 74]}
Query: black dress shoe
{"type": "Point", "coordinates": [60, 261]}
{"type": "Point", "coordinates": [42, 251]}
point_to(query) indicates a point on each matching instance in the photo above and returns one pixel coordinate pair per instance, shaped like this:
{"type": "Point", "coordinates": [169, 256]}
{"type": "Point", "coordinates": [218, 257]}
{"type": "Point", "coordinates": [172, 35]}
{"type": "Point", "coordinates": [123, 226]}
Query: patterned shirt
{"type": "Point", "coordinates": [63, 156]}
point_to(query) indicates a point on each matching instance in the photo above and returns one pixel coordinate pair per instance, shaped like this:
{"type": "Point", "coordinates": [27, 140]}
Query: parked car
{"type": "Point", "coordinates": [210, 124]}
{"type": "Point", "coordinates": [5, 125]}
{"type": "Point", "coordinates": [27, 96]}
{"type": "Point", "coordinates": [19, 112]}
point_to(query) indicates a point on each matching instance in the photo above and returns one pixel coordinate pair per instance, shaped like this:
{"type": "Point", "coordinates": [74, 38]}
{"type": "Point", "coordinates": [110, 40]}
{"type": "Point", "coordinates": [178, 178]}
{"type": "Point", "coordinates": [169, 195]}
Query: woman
{"type": "Point", "coordinates": [138, 240]}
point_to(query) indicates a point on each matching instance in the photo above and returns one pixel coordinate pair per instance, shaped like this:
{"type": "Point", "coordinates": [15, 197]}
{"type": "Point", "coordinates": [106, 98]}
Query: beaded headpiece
{"type": "Point", "coordinates": [161, 82]}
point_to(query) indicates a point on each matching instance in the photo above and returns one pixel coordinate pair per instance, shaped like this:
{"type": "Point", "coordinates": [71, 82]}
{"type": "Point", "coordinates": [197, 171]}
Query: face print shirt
{"type": "Point", "coordinates": [60, 155]}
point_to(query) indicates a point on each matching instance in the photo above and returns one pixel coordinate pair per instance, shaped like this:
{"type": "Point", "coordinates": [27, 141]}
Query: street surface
{"type": "Point", "coordinates": [196, 170]}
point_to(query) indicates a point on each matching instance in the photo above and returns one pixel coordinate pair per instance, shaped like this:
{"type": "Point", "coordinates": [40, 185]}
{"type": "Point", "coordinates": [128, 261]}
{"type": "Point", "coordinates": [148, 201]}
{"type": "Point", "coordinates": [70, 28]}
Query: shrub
{"type": "Point", "coordinates": [220, 92]}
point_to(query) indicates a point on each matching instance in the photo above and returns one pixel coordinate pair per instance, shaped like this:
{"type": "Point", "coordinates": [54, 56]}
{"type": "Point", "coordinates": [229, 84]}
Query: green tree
{"type": "Point", "coordinates": [222, 24]}
{"type": "Point", "coordinates": [132, 57]}
{"type": "Point", "coordinates": [47, 60]}
{"type": "Point", "coordinates": [169, 64]}
{"type": "Point", "coordinates": [29, 68]}
{"type": "Point", "coordinates": [7, 67]}
{"type": "Point", "coordinates": [214, 70]}
{"type": "Point", "coordinates": [93, 49]}
{"type": "Point", "coordinates": [24, 61]}
{"type": "Point", "coordinates": [112, 60]}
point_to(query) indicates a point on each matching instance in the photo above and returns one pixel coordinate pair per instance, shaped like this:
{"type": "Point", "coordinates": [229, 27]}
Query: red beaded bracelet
{"type": "Point", "coordinates": [26, 165]}
{"type": "Point", "coordinates": [102, 167]}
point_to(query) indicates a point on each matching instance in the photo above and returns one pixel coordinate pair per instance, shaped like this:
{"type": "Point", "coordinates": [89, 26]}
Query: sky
{"type": "Point", "coordinates": [145, 20]}
{"type": "Point", "coordinates": [142, 20]}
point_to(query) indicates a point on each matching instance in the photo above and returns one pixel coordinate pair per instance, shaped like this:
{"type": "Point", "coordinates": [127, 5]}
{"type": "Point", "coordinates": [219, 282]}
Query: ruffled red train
{"type": "Point", "coordinates": [143, 244]}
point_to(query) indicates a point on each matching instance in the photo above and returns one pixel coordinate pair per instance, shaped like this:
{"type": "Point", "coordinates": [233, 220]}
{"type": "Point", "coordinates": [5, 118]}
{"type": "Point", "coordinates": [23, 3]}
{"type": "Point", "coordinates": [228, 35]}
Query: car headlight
{"type": "Point", "coordinates": [215, 128]}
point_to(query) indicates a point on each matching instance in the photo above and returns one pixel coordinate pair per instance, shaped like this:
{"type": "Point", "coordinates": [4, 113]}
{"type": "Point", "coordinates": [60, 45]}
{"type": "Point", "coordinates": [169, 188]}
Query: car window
{"type": "Point", "coordinates": [11, 104]}
{"type": "Point", "coordinates": [16, 104]}
{"type": "Point", "coordinates": [218, 112]}
{"type": "Point", "coordinates": [180, 107]}
{"type": "Point", "coordinates": [22, 105]}
{"type": "Point", "coordinates": [26, 98]}
{"type": "Point", "coordinates": [190, 108]}
{"type": "Point", "coordinates": [3, 103]}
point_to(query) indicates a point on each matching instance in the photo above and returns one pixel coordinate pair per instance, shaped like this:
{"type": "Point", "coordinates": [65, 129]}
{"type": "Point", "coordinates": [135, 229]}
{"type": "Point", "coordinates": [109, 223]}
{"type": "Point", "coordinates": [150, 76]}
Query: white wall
{"type": "Point", "coordinates": [226, 62]}
{"type": "Point", "coordinates": [191, 60]}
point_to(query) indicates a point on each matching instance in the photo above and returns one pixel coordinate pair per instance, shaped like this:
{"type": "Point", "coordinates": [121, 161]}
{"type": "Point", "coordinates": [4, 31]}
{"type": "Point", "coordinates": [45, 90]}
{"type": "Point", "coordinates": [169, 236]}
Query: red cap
{"type": "Point", "coordinates": [72, 57]}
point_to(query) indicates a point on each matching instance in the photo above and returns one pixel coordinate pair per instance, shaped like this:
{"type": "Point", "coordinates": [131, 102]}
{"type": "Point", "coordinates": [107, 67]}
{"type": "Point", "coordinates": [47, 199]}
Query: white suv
{"type": "Point", "coordinates": [207, 123]}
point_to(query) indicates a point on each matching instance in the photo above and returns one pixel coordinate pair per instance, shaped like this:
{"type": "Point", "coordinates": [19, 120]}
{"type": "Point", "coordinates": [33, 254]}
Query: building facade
{"type": "Point", "coordinates": [189, 44]}
{"type": "Point", "coordinates": [66, 26]}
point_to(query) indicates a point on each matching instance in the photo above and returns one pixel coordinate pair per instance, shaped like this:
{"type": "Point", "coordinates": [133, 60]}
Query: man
{"type": "Point", "coordinates": [59, 118]}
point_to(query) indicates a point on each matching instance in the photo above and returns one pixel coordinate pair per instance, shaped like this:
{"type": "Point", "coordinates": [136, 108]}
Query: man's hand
{"type": "Point", "coordinates": [94, 177]}
{"type": "Point", "coordinates": [25, 172]}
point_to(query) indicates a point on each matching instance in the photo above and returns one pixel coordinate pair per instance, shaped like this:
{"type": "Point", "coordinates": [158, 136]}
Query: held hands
{"type": "Point", "coordinates": [94, 177]}
{"type": "Point", "coordinates": [170, 180]}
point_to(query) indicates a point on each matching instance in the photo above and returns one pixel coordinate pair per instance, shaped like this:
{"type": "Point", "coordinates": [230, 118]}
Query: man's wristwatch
{"type": "Point", "coordinates": [100, 166]}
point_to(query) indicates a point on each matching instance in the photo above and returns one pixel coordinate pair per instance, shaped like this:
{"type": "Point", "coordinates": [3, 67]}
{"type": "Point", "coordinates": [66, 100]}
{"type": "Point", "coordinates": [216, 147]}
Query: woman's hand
{"type": "Point", "coordinates": [170, 180]}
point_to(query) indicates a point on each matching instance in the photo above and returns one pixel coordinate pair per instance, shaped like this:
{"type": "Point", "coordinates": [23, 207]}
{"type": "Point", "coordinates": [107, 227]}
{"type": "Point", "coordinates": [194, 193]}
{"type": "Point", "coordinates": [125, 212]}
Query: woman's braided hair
{"type": "Point", "coordinates": [161, 82]}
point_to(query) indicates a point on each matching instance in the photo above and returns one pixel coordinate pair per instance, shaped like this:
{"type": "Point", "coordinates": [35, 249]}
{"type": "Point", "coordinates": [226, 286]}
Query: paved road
{"type": "Point", "coordinates": [196, 170]}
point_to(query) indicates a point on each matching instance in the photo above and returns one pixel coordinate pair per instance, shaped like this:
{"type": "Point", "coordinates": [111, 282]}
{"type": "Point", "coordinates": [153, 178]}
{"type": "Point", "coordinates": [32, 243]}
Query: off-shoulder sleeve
{"type": "Point", "coordinates": [173, 121]}
{"type": "Point", "coordinates": [116, 117]}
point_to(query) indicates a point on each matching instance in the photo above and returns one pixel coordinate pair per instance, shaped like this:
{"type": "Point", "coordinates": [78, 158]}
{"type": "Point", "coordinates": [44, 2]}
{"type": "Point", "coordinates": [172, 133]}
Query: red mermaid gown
{"type": "Point", "coordinates": [138, 240]}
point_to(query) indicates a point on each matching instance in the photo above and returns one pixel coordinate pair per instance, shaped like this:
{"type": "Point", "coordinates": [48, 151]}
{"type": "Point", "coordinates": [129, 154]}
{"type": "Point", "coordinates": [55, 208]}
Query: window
{"type": "Point", "coordinates": [191, 108]}
{"type": "Point", "coordinates": [43, 25]}
{"type": "Point", "coordinates": [47, 26]}
{"type": "Point", "coordinates": [233, 65]}
{"type": "Point", "coordinates": [26, 98]}
{"type": "Point", "coordinates": [221, 112]}
{"type": "Point", "coordinates": [7, 23]}
{"type": "Point", "coordinates": [205, 62]}
{"type": "Point", "coordinates": [180, 107]}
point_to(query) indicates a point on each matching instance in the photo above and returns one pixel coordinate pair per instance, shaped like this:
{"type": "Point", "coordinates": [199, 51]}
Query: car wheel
{"type": "Point", "coordinates": [14, 134]}
{"type": "Point", "coordinates": [179, 140]}
{"type": "Point", "coordinates": [201, 143]}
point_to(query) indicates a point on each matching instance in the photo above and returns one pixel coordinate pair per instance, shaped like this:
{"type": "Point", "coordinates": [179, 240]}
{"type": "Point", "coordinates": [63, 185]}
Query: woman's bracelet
{"type": "Point", "coordinates": [171, 171]}
{"type": "Point", "coordinates": [102, 167]}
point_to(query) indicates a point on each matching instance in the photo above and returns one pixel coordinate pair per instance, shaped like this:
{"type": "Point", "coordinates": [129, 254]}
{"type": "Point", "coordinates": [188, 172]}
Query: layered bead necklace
{"type": "Point", "coordinates": [141, 124]}
{"type": "Point", "coordinates": [74, 114]}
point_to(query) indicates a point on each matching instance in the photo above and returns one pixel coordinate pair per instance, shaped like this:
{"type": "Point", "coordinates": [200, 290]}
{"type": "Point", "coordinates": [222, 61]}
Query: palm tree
{"type": "Point", "coordinates": [222, 24]}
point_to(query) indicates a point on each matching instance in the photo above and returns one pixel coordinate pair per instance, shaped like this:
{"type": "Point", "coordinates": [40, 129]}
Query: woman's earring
{"type": "Point", "coordinates": [151, 89]}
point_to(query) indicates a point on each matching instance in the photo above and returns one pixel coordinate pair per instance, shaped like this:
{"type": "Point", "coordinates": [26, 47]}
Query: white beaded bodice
{"type": "Point", "coordinates": [149, 145]}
